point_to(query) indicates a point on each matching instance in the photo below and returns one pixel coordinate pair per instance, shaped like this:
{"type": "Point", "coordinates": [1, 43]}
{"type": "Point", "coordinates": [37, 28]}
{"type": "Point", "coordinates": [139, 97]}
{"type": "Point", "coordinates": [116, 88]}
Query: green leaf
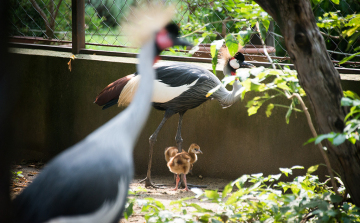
{"type": "Point", "coordinates": [309, 141]}
{"type": "Point", "coordinates": [244, 37]}
{"type": "Point", "coordinates": [320, 138]}
{"type": "Point", "coordinates": [336, 1]}
{"type": "Point", "coordinates": [339, 139]}
{"type": "Point", "coordinates": [212, 194]}
{"type": "Point", "coordinates": [297, 167]}
{"type": "Point", "coordinates": [335, 198]}
{"type": "Point", "coordinates": [351, 94]}
{"type": "Point", "coordinates": [228, 188]}
{"type": "Point", "coordinates": [269, 109]}
{"type": "Point", "coordinates": [205, 218]}
{"type": "Point", "coordinates": [312, 169]}
{"type": "Point", "coordinates": [160, 205]}
{"type": "Point", "coordinates": [286, 171]}
{"type": "Point", "coordinates": [346, 102]}
{"type": "Point", "coordinates": [348, 58]}
{"type": "Point", "coordinates": [263, 31]}
{"type": "Point", "coordinates": [199, 208]}
{"type": "Point", "coordinates": [240, 181]}
{"type": "Point", "coordinates": [215, 221]}
{"type": "Point", "coordinates": [288, 113]}
{"type": "Point", "coordinates": [214, 50]}
{"type": "Point", "coordinates": [232, 44]}
{"type": "Point", "coordinates": [266, 24]}
{"type": "Point", "coordinates": [129, 210]}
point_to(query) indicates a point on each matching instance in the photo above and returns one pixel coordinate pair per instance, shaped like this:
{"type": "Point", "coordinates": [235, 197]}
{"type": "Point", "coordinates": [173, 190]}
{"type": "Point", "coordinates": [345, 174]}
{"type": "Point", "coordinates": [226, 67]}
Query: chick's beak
{"type": "Point", "coordinates": [246, 65]}
{"type": "Point", "coordinates": [199, 151]}
{"type": "Point", "coordinates": [180, 42]}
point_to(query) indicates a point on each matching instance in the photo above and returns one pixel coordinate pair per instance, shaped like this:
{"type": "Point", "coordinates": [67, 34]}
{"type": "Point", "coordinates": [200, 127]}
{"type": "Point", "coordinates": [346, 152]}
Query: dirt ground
{"type": "Point", "coordinates": [164, 194]}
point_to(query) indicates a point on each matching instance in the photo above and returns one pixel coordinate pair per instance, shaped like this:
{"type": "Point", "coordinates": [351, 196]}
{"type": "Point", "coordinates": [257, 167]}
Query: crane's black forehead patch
{"type": "Point", "coordinates": [239, 56]}
{"type": "Point", "coordinates": [172, 28]}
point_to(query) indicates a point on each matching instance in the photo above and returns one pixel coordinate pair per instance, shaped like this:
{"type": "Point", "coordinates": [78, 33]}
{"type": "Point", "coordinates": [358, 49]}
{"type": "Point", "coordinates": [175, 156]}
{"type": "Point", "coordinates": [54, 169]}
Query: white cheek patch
{"type": "Point", "coordinates": [234, 64]}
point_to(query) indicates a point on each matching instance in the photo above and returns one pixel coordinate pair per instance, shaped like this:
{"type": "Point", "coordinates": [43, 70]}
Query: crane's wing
{"type": "Point", "coordinates": [94, 193]}
{"type": "Point", "coordinates": [179, 74]}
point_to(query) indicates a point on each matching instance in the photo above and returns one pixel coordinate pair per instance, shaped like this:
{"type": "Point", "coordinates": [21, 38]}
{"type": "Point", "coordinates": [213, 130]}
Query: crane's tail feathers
{"type": "Point", "coordinates": [110, 103]}
{"type": "Point", "coordinates": [128, 91]}
{"type": "Point", "coordinates": [112, 91]}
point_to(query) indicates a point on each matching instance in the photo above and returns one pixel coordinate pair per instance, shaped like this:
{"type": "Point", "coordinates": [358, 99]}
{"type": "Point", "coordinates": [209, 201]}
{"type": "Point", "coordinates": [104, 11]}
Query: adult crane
{"type": "Point", "coordinates": [178, 87]}
{"type": "Point", "coordinates": [89, 181]}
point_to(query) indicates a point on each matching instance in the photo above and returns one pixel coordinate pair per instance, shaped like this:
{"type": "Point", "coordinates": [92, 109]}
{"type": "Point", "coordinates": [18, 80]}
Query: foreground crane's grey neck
{"type": "Point", "coordinates": [128, 124]}
{"type": "Point", "coordinates": [225, 97]}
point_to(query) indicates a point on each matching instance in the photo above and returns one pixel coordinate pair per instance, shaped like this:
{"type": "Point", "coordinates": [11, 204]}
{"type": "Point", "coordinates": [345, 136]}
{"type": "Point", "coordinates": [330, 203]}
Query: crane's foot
{"type": "Point", "coordinates": [148, 183]}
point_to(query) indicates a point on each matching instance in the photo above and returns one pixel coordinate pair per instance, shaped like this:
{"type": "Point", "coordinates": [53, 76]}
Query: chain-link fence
{"type": "Point", "coordinates": [40, 21]}
{"type": "Point", "coordinates": [43, 21]}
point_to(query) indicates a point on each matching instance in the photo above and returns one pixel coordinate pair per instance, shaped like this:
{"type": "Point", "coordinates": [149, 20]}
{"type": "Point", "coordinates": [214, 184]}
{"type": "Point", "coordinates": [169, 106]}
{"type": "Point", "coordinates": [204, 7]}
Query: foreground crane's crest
{"type": "Point", "coordinates": [147, 18]}
{"type": "Point", "coordinates": [89, 181]}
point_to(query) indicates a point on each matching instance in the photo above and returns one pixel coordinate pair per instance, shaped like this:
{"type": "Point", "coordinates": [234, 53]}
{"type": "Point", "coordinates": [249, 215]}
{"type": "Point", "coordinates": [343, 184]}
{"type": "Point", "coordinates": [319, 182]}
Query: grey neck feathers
{"type": "Point", "coordinates": [124, 129]}
{"type": "Point", "coordinates": [225, 97]}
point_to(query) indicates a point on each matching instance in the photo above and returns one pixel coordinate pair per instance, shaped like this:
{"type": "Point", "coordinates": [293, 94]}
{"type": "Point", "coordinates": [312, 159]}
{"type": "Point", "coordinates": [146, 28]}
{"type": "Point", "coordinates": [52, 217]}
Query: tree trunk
{"type": "Point", "coordinates": [320, 80]}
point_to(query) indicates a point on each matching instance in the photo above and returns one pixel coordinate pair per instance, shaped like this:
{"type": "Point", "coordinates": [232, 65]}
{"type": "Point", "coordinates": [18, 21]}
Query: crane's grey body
{"type": "Point", "coordinates": [177, 74]}
{"type": "Point", "coordinates": [179, 87]}
{"type": "Point", "coordinates": [89, 181]}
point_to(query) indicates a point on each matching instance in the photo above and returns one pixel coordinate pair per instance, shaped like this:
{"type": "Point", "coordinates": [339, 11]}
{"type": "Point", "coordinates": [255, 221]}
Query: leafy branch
{"type": "Point", "coordinates": [259, 198]}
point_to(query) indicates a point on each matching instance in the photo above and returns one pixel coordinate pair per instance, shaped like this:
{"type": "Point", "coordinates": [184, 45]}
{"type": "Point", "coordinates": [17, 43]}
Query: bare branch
{"type": "Point", "coordinates": [57, 10]}
{"type": "Point", "coordinates": [41, 12]}
{"type": "Point", "coordinates": [333, 37]}
{"type": "Point", "coordinates": [313, 131]}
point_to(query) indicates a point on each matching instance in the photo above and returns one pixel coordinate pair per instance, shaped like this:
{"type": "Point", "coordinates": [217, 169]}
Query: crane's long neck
{"type": "Point", "coordinates": [225, 97]}
{"type": "Point", "coordinates": [140, 107]}
{"type": "Point", "coordinates": [126, 127]}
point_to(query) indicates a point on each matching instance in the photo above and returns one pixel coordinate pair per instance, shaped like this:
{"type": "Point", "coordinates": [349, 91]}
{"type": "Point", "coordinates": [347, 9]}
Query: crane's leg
{"type": "Point", "coordinates": [152, 141]}
{"type": "Point", "coordinates": [178, 138]}
{"type": "Point", "coordinates": [186, 187]}
{"type": "Point", "coordinates": [177, 182]}
{"type": "Point", "coordinates": [179, 141]}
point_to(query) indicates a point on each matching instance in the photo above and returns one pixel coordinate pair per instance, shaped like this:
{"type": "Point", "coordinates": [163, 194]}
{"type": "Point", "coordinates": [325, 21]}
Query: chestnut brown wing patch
{"type": "Point", "coordinates": [112, 91]}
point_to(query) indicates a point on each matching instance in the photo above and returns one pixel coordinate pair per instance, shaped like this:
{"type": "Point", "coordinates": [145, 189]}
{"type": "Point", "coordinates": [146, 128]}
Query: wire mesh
{"type": "Point", "coordinates": [41, 21]}
{"type": "Point", "coordinates": [51, 20]}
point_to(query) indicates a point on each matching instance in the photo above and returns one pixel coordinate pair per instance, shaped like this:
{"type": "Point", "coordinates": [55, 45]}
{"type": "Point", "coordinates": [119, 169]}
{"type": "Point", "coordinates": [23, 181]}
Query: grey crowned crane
{"type": "Point", "coordinates": [178, 87]}
{"type": "Point", "coordinates": [89, 181]}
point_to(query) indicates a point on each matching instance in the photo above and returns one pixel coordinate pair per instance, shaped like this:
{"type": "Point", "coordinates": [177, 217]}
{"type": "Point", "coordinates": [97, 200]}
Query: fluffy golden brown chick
{"type": "Point", "coordinates": [181, 163]}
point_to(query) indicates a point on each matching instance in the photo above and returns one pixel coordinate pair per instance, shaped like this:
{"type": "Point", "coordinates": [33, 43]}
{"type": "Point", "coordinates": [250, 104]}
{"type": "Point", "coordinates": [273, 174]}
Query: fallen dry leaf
{"type": "Point", "coordinates": [69, 63]}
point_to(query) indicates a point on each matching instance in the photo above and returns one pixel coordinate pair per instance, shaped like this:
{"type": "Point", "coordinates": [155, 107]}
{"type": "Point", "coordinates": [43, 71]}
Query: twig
{"type": "Point", "coordinates": [308, 117]}
{"type": "Point", "coordinates": [41, 12]}
{"type": "Point", "coordinates": [328, 35]}
{"type": "Point", "coordinates": [313, 131]}
{"type": "Point", "coordinates": [264, 46]}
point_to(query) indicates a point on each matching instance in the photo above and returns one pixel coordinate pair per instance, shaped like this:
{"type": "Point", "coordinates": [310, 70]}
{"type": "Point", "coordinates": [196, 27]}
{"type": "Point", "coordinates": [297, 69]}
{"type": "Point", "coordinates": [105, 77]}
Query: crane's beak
{"type": "Point", "coordinates": [199, 151]}
{"type": "Point", "coordinates": [246, 65]}
{"type": "Point", "coordinates": [180, 42]}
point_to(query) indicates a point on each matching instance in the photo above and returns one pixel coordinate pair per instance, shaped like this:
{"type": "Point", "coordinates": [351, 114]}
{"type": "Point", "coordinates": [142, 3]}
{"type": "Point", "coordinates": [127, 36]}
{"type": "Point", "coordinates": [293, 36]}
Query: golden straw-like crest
{"type": "Point", "coordinates": [145, 20]}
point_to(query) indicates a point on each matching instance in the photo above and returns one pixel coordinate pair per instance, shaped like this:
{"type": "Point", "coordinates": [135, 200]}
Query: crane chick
{"type": "Point", "coordinates": [181, 163]}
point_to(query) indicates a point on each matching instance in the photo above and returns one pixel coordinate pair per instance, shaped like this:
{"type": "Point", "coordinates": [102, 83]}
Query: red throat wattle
{"type": "Point", "coordinates": [157, 58]}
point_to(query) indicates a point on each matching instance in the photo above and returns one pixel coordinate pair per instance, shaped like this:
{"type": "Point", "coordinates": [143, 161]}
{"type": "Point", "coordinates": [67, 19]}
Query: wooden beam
{"type": "Point", "coordinates": [78, 25]}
